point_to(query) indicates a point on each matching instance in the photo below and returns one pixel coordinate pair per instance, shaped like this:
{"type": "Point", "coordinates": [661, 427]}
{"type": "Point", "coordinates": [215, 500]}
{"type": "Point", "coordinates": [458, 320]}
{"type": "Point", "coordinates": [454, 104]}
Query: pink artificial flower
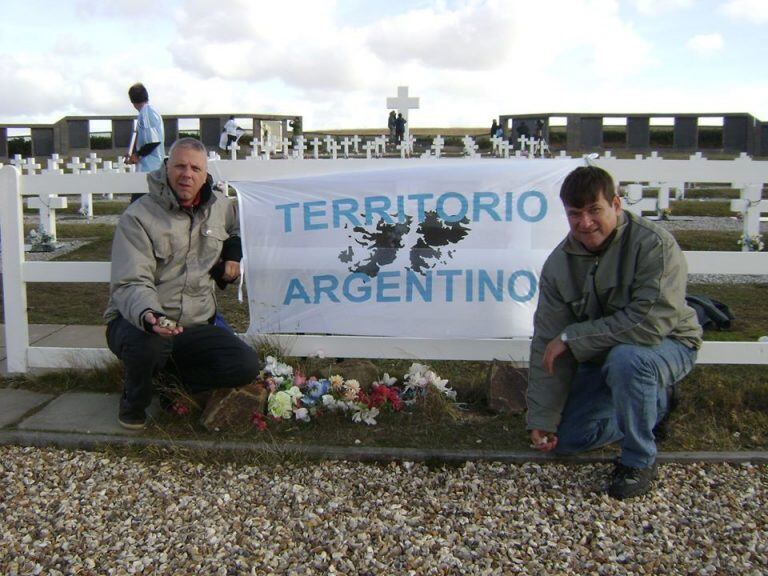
{"type": "Point", "coordinates": [299, 379]}
{"type": "Point", "coordinates": [257, 419]}
{"type": "Point", "coordinates": [180, 408]}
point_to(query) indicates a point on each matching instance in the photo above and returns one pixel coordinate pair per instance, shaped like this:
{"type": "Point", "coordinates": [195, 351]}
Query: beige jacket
{"type": "Point", "coordinates": [162, 254]}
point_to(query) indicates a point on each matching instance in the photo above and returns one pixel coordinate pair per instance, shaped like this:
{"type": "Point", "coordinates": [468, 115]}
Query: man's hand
{"type": "Point", "coordinates": [151, 319]}
{"type": "Point", "coordinates": [554, 350]}
{"type": "Point", "coordinates": [132, 159]}
{"type": "Point", "coordinates": [543, 441]}
{"type": "Point", "coordinates": [231, 271]}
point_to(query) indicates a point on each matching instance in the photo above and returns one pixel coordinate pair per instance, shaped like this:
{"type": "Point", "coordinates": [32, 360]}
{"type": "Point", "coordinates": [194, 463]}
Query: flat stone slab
{"type": "Point", "coordinates": [15, 403]}
{"type": "Point", "coordinates": [83, 412]}
{"type": "Point", "coordinates": [36, 332]}
{"type": "Point", "coordinates": [74, 336]}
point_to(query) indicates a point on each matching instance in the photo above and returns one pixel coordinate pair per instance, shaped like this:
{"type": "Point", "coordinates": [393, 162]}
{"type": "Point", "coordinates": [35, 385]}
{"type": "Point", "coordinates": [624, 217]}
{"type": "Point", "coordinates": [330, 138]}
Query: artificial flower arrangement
{"type": "Point", "coordinates": [293, 396]}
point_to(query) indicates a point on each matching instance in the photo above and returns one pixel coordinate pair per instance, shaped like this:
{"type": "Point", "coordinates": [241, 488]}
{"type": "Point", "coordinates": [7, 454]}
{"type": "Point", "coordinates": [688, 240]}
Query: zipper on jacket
{"type": "Point", "coordinates": [593, 273]}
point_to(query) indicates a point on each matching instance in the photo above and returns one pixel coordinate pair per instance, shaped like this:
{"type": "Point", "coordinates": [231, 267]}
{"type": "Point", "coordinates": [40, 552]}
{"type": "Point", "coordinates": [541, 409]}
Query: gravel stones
{"type": "Point", "coordinates": [80, 512]}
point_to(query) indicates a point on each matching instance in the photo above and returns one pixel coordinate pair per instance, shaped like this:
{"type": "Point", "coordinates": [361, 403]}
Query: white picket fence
{"type": "Point", "coordinates": [743, 173]}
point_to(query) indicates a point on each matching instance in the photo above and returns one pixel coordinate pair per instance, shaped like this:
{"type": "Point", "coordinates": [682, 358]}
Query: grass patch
{"type": "Point", "coordinates": [708, 193]}
{"type": "Point", "coordinates": [721, 408]}
{"type": "Point", "coordinates": [716, 240]}
{"type": "Point", "coordinates": [100, 207]}
{"type": "Point", "coordinates": [700, 208]}
{"type": "Point", "coordinates": [744, 300]}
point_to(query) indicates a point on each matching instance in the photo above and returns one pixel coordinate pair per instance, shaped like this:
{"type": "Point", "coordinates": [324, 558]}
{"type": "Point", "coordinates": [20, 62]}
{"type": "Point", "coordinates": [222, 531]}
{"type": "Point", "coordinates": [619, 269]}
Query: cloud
{"type": "Point", "coordinates": [752, 10]}
{"type": "Point", "coordinates": [705, 44]}
{"type": "Point", "coordinates": [658, 7]}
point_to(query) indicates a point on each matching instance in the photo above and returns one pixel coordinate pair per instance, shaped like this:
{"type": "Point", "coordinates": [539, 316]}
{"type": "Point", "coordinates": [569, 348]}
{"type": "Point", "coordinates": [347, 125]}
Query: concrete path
{"type": "Point", "coordinates": [57, 335]}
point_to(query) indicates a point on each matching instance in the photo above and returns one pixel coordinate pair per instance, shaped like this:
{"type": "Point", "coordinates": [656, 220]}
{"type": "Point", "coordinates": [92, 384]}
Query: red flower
{"type": "Point", "coordinates": [257, 419]}
{"type": "Point", "coordinates": [180, 408]}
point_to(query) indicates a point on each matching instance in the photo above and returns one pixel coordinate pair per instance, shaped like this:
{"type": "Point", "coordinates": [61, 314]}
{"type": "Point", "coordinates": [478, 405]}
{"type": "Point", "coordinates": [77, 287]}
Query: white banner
{"type": "Point", "coordinates": [434, 250]}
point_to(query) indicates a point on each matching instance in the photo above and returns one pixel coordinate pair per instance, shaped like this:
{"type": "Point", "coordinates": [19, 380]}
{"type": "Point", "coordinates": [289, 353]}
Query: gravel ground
{"type": "Point", "coordinates": [73, 512]}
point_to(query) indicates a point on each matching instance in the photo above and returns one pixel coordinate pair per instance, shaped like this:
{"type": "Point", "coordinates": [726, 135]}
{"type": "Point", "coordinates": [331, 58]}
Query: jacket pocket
{"type": "Point", "coordinates": [162, 249]}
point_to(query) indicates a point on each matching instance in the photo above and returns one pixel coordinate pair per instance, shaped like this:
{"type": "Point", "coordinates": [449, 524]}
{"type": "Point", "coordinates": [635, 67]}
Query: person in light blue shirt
{"type": "Point", "coordinates": [149, 148]}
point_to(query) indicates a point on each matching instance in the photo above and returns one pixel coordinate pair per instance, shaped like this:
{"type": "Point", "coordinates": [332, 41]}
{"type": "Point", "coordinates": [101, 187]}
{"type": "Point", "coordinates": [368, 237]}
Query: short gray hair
{"type": "Point", "coordinates": [189, 144]}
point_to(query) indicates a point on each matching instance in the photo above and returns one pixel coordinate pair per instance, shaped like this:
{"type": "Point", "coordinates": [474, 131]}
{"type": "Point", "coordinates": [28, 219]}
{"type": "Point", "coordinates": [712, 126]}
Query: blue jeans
{"type": "Point", "coordinates": [622, 400]}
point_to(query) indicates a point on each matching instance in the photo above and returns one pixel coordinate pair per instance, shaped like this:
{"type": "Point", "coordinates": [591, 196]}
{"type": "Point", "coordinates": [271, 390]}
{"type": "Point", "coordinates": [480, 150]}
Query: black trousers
{"type": "Point", "coordinates": [202, 357]}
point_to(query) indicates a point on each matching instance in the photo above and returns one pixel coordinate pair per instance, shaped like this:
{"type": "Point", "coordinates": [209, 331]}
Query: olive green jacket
{"type": "Point", "coordinates": [162, 254]}
{"type": "Point", "coordinates": [631, 293]}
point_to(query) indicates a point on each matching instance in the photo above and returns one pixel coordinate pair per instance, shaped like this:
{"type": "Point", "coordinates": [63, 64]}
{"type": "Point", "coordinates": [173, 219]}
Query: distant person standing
{"type": "Point", "coordinates": [494, 128]}
{"type": "Point", "coordinates": [148, 149]}
{"type": "Point", "coordinates": [392, 125]}
{"type": "Point", "coordinates": [233, 131]}
{"type": "Point", "coordinates": [400, 128]}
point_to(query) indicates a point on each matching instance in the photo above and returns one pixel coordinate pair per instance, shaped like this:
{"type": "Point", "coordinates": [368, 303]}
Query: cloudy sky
{"type": "Point", "coordinates": [336, 61]}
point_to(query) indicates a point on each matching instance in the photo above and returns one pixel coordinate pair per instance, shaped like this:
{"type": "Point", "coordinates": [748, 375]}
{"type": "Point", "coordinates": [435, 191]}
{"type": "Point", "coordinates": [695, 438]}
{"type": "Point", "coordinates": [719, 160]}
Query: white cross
{"type": "Point", "coordinates": [47, 204]}
{"type": "Point", "coordinates": [286, 148]}
{"type": "Point", "coordinates": [355, 143]}
{"type": "Point", "coordinates": [411, 141]}
{"type": "Point", "coordinates": [470, 148]}
{"type": "Point", "coordinates": [30, 166]}
{"type": "Point", "coordinates": [213, 155]}
{"type": "Point", "coordinates": [269, 147]}
{"type": "Point", "coordinates": [315, 145]}
{"type": "Point", "coordinates": [328, 139]}
{"type": "Point", "coordinates": [299, 148]}
{"type": "Point", "coordinates": [504, 148]}
{"type": "Point", "coordinates": [75, 165]}
{"type": "Point", "coordinates": [333, 148]}
{"type": "Point", "coordinates": [17, 161]}
{"type": "Point", "coordinates": [53, 165]}
{"type": "Point", "coordinates": [544, 148]}
{"type": "Point", "coordinates": [523, 141]}
{"type": "Point", "coordinates": [532, 147]}
{"type": "Point", "coordinates": [255, 144]}
{"type": "Point", "coordinates": [345, 144]}
{"type": "Point", "coordinates": [437, 145]}
{"type": "Point", "coordinates": [750, 205]}
{"type": "Point", "coordinates": [495, 141]}
{"type": "Point", "coordinates": [122, 167]}
{"type": "Point", "coordinates": [93, 162]}
{"type": "Point", "coordinates": [369, 147]}
{"type": "Point", "coordinates": [107, 167]}
{"type": "Point", "coordinates": [403, 147]}
{"type": "Point", "coordinates": [381, 145]}
{"type": "Point", "coordinates": [233, 148]}
{"type": "Point", "coordinates": [402, 103]}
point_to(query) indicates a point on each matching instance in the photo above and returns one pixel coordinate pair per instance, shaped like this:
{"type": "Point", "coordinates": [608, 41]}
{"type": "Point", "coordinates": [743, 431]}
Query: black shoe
{"type": "Point", "coordinates": [628, 482]}
{"type": "Point", "coordinates": [132, 419]}
{"type": "Point", "coordinates": [661, 430]}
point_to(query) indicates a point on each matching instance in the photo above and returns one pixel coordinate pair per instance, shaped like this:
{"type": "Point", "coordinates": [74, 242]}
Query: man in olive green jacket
{"type": "Point", "coordinates": [170, 247]}
{"type": "Point", "coordinates": [612, 333]}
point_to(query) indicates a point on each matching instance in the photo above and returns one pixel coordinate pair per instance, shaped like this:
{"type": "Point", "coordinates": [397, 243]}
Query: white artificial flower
{"type": "Point", "coordinates": [301, 414]}
{"type": "Point", "coordinates": [367, 416]}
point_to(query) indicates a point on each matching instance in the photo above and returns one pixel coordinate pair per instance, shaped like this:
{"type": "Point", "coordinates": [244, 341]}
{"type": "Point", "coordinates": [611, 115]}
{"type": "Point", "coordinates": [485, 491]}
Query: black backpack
{"type": "Point", "coordinates": [712, 314]}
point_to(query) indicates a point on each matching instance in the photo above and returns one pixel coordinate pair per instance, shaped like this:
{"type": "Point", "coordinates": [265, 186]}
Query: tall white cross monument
{"type": "Point", "coordinates": [402, 103]}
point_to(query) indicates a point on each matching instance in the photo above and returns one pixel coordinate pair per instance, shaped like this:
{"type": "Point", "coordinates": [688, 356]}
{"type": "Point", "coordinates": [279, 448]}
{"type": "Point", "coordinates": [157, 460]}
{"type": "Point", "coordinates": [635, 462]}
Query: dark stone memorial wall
{"type": "Point", "coordinates": [638, 132]}
{"type": "Point", "coordinates": [210, 131]}
{"type": "Point", "coordinates": [42, 141]}
{"type": "Point", "coordinates": [122, 130]}
{"type": "Point", "coordinates": [79, 134]}
{"type": "Point", "coordinates": [686, 133]}
{"type": "Point", "coordinates": [171, 131]}
{"type": "Point", "coordinates": [736, 133]}
{"type": "Point", "coordinates": [3, 142]}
